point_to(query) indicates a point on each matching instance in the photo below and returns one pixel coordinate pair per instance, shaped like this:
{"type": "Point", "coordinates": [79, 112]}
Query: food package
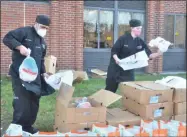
{"type": "Point", "coordinates": [129, 131]}
{"type": "Point", "coordinates": [48, 134]}
{"type": "Point", "coordinates": [174, 128]}
{"type": "Point", "coordinates": [105, 130]}
{"type": "Point", "coordinates": [160, 43]}
{"type": "Point", "coordinates": [57, 79]}
{"type": "Point", "coordinates": [28, 70]}
{"type": "Point", "coordinates": [83, 103]}
{"type": "Point", "coordinates": [81, 133]}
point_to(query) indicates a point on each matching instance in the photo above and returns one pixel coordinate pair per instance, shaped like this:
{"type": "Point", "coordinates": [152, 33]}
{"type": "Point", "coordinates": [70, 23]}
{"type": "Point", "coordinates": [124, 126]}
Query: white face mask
{"type": "Point", "coordinates": [40, 32]}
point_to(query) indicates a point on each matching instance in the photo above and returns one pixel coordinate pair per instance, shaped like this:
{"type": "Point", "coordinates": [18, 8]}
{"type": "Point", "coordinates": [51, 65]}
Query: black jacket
{"type": "Point", "coordinates": [125, 46]}
{"type": "Point", "coordinates": [28, 37]}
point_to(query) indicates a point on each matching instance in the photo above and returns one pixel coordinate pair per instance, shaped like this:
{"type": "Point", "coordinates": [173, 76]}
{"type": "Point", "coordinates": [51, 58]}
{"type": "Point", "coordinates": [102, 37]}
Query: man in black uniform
{"type": "Point", "coordinates": [125, 46]}
{"type": "Point", "coordinates": [27, 95]}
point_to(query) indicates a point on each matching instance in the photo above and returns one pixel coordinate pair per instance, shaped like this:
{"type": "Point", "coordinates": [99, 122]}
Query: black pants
{"type": "Point", "coordinates": [111, 85]}
{"type": "Point", "coordinates": [25, 105]}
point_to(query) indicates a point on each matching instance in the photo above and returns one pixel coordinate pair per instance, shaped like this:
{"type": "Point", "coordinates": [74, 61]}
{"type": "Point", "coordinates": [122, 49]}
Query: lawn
{"type": "Point", "coordinates": [47, 105]}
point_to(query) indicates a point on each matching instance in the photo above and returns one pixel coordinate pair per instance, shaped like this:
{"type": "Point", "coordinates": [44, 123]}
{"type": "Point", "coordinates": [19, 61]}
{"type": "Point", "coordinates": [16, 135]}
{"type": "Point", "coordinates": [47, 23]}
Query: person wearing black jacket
{"type": "Point", "coordinates": [27, 95]}
{"type": "Point", "coordinates": [125, 46]}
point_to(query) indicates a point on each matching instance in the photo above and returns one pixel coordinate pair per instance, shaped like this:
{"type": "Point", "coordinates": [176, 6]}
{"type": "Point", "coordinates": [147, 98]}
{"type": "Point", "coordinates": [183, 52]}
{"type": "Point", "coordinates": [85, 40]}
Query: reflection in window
{"type": "Point", "coordinates": [90, 28]}
{"type": "Point", "coordinates": [169, 28]}
{"type": "Point", "coordinates": [123, 23]}
{"type": "Point", "coordinates": [175, 30]}
{"type": "Point", "coordinates": [180, 32]}
{"type": "Point", "coordinates": [106, 29]}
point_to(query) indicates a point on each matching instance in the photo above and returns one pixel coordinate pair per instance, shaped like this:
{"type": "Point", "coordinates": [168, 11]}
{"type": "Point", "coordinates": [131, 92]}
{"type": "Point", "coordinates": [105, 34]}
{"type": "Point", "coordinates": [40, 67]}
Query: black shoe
{"type": "Point", "coordinates": [31, 130]}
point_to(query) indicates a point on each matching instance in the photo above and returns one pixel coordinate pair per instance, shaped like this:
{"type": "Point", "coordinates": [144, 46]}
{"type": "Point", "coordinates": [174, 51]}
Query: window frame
{"type": "Point", "coordinates": [174, 27]}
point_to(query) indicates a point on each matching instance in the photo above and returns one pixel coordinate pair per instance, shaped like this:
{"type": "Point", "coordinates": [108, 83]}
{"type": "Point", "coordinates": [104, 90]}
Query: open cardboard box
{"type": "Point", "coordinates": [66, 112]}
{"type": "Point", "coordinates": [151, 111]}
{"type": "Point", "coordinates": [117, 116]}
{"type": "Point", "coordinates": [146, 92]}
{"type": "Point", "coordinates": [50, 64]}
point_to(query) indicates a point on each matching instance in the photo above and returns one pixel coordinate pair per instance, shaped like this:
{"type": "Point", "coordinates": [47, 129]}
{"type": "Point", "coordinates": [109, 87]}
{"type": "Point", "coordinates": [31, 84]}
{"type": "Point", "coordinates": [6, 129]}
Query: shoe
{"type": "Point", "coordinates": [31, 130]}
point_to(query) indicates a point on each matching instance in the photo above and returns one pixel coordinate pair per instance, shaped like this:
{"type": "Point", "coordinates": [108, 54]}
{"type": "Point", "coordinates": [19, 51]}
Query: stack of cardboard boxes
{"type": "Point", "coordinates": [68, 117]}
{"type": "Point", "coordinates": [179, 99]}
{"type": "Point", "coordinates": [147, 100]}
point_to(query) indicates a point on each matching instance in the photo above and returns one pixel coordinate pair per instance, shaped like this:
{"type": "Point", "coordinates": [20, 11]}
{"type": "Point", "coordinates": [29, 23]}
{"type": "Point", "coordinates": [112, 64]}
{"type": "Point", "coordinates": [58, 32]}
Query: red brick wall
{"type": "Point", "coordinates": [155, 25]}
{"type": "Point", "coordinates": [64, 38]}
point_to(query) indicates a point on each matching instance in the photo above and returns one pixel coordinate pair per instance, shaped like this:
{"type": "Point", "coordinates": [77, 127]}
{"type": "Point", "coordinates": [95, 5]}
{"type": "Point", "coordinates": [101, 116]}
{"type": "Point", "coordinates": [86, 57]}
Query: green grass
{"type": "Point", "coordinates": [45, 117]}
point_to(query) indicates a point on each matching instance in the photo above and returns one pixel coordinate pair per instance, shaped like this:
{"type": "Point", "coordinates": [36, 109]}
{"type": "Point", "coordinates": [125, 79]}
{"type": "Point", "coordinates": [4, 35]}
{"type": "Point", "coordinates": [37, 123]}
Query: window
{"type": "Point", "coordinates": [123, 22]}
{"type": "Point", "coordinates": [175, 30]}
{"type": "Point", "coordinates": [98, 28]}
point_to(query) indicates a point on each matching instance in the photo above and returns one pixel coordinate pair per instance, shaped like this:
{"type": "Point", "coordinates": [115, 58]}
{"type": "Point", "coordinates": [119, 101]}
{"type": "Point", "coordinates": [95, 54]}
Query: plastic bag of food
{"type": "Point", "coordinates": [131, 130]}
{"type": "Point", "coordinates": [83, 103]}
{"type": "Point", "coordinates": [28, 70]}
{"type": "Point", "coordinates": [160, 43]}
{"type": "Point", "coordinates": [14, 130]}
{"type": "Point", "coordinates": [105, 130]}
{"type": "Point", "coordinates": [57, 79]}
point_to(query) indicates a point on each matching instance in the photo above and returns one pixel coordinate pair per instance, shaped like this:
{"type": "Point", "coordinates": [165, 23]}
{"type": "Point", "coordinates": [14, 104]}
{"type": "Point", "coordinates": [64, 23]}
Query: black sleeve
{"type": "Point", "coordinates": [147, 50]}
{"type": "Point", "coordinates": [117, 47]}
{"type": "Point", "coordinates": [14, 38]}
{"type": "Point", "coordinates": [43, 70]}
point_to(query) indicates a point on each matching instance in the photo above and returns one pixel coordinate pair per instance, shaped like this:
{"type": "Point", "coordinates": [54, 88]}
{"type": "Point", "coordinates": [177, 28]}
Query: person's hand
{"type": "Point", "coordinates": [23, 50]}
{"type": "Point", "coordinates": [117, 61]}
{"type": "Point", "coordinates": [46, 74]}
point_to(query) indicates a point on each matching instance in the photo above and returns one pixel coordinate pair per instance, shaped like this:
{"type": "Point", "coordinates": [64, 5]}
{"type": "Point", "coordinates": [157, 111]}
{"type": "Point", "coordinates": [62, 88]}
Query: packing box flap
{"type": "Point", "coordinates": [146, 85]}
{"type": "Point", "coordinates": [65, 94]}
{"type": "Point", "coordinates": [117, 115]}
{"type": "Point", "coordinates": [98, 72]}
{"type": "Point", "coordinates": [105, 97]}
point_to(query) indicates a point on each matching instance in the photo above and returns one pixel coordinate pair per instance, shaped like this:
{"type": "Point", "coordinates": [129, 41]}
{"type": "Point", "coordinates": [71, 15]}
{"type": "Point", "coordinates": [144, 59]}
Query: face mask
{"type": "Point", "coordinates": [42, 32]}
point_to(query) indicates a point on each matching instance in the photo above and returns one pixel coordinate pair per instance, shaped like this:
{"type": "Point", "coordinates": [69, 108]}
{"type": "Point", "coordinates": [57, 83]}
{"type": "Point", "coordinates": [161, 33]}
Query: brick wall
{"type": "Point", "coordinates": [155, 25]}
{"type": "Point", "coordinates": [64, 38]}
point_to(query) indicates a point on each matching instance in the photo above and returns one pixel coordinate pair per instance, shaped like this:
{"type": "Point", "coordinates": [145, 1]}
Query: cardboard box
{"type": "Point", "coordinates": [181, 118]}
{"type": "Point", "coordinates": [65, 127]}
{"type": "Point", "coordinates": [150, 111]}
{"type": "Point", "coordinates": [179, 95]}
{"type": "Point", "coordinates": [146, 92]}
{"type": "Point", "coordinates": [117, 116]}
{"type": "Point", "coordinates": [180, 108]}
{"type": "Point", "coordinates": [50, 64]}
{"type": "Point", "coordinates": [66, 112]}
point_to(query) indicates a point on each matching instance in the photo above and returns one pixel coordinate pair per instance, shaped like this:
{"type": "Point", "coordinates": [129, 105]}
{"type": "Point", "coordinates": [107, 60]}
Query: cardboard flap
{"type": "Point", "coordinates": [65, 94]}
{"type": "Point", "coordinates": [146, 85]}
{"type": "Point", "coordinates": [98, 72]}
{"type": "Point", "coordinates": [105, 97]}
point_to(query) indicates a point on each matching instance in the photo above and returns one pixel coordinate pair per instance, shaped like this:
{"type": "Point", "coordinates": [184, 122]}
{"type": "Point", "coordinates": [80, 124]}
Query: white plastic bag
{"type": "Point", "coordinates": [14, 130]}
{"type": "Point", "coordinates": [83, 103]}
{"type": "Point", "coordinates": [28, 70]}
{"type": "Point", "coordinates": [160, 43]}
{"type": "Point", "coordinates": [56, 80]}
